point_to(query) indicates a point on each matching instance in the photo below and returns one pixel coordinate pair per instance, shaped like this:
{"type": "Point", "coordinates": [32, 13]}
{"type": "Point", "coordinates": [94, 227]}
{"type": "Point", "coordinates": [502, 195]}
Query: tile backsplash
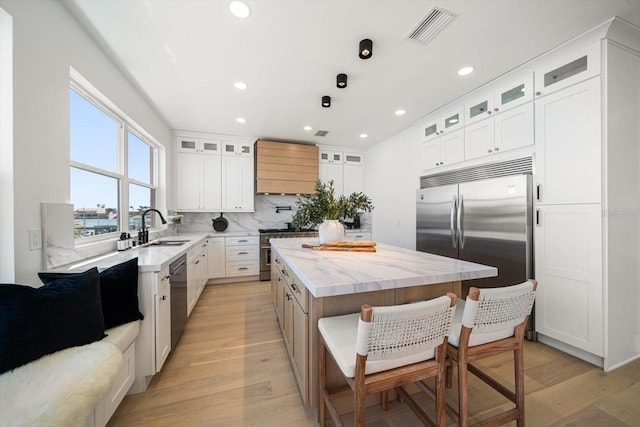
{"type": "Point", "coordinates": [265, 216]}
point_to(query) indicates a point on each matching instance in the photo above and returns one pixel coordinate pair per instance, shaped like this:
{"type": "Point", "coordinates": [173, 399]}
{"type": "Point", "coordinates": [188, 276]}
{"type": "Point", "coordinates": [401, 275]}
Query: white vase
{"type": "Point", "coordinates": [331, 230]}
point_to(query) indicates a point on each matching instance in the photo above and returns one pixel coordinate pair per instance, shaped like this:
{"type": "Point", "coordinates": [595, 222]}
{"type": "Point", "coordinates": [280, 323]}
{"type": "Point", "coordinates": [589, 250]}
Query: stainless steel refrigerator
{"type": "Point", "coordinates": [487, 221]}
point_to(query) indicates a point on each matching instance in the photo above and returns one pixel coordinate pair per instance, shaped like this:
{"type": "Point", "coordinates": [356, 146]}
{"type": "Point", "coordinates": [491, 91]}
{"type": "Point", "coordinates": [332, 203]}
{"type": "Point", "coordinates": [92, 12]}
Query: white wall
{"type": "Point", "coordinates": [47, 41]}
{"type": "Point", "coordinates": [7, 269]}
{"type": "Point", "coordinates": [392, 176]}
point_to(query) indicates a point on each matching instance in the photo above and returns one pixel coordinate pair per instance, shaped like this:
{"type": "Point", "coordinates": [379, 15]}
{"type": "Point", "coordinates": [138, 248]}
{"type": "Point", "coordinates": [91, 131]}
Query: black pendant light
{"type": "Point", "coordinates": [341, 81]}
{"type": "Point", "coordinates": [326, 101]}
{"type": "Point", "coordinates": [366, 49]}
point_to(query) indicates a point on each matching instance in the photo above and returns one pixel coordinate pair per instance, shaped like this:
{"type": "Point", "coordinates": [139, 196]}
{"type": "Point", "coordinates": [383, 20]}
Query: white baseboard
{"type": "Point", "coordinates": [569, 349]}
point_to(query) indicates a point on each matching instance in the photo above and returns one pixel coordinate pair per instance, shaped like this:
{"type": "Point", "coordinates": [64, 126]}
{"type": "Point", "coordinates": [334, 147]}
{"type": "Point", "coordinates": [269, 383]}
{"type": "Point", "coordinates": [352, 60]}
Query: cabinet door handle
{"type": "Point", "coordinates": [538, 192]}
{"type": "Point", "coordinates": [243, 253]}
{"type": "Point", "coordinates": [489, 112]}
{"type": "Point", "coordinates": [295, 288]}
{"type": "Point", "coordinates": [288, 296]}
{"type": "Point", "coordinates": [243, 268]}
{"type": "Point", "coordinates": [242, 241]}
{"type": "Point", "coordinates": [538, 217]}
{"type": "Point", "coordinates": [197, 261]}
{"type": "Point", "coordinates": [489, 150]}
{"type": "Point", "coordinates": [496, 149]}
{"type": "Point", "coordinates": [538, 93]}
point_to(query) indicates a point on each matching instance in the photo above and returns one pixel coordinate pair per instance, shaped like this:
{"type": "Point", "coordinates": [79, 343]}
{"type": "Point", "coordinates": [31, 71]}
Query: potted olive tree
{"type": "Point", "coordinates": [326, 209]}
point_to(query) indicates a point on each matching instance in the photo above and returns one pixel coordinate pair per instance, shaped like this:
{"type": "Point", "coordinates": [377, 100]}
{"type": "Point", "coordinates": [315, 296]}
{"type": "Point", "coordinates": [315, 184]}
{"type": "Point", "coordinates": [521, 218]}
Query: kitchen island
{"type": "Point", "coordinates": [307, 285]}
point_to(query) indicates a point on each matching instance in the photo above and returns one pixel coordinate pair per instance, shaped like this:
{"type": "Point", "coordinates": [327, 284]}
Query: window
{"type": "Point", "coordinates": [113, 170]}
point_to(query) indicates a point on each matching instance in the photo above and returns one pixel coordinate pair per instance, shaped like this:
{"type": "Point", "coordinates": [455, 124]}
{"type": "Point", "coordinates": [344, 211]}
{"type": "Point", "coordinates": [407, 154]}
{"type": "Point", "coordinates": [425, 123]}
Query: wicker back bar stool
{"type": "Point", "coordinates": [490, 322]}
{"type": "Point", "coordinates": [384, 348]}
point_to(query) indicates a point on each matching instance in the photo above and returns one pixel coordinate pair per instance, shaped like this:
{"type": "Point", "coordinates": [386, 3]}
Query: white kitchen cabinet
{"type": "Point", "coordinates": [235, 148]}
{"type": "Point", "coordinates": [198, 182]}
{"type": "Point", "coordinates": [357, 235]}
{"type": "Point", "coordinates": [445, 150]}
{"type": "Point", "coordinates": [163, 319]}
{"type": "Point", "coordinates": [345, 169]}
{"type": "Point", "coordinates": [242, 256]}
{"type": "Point", "coordinates": [154, 340]}
{"type": "Point", "coordinates": [444, 122]}
{"type": "Point", "coordinates": [515, 90]}
{"type": "Point", "coordinates": [237, 184]}
{"type": "Point", "coordinates": [216, 258]}
{"type": "Point", "coordinates": [501, 96]}
{"type": "Point", "coordinates": [328, 156]}
{"type": "Point", "coordinates": [356, 159]}
{"type": "Point", "coordinates": [587, 245]}
{"type": "Point", "coordinates": [189, 144]}
{"type": "Point", "coordinates": [568, 135]}
{"type": "Point", "coordinates": [196, 267]}
{"type": "Point", "coordinates": [501, 132]}
{"type": "Point", "coordinates": [568, 254]}
{"type": "Point", "coordinates": [353, 179]}
{"type": "Point", "coordinates": [332, 172]}
{"type": "Point", "coordinates": [204, 269]}
{"type": "Point", "coordinates": [565, 68]}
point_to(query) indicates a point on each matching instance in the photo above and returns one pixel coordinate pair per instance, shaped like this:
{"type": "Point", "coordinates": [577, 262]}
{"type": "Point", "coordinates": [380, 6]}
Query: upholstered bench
{"type": "Point", "coordinates": [58, 364]}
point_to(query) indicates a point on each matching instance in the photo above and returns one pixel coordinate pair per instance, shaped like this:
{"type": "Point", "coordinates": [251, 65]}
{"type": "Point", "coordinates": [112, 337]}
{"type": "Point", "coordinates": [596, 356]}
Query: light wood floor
{"type": "Point", "coordinates": [231, 369]}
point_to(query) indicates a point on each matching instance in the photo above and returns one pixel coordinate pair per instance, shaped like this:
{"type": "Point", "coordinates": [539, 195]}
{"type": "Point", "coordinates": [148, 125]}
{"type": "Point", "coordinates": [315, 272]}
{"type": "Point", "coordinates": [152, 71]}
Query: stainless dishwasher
{"type": "Point", "coordinates": [178, 273]}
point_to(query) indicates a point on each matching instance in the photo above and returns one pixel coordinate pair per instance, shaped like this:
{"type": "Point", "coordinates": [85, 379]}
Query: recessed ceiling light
{"type": "Point", "coordinates": [363, 135]}
{"type": "Point", "coordinates": [400, 112]}
{"type": "Point", "coordinates": [465, 70]}
{"type": "Point", "coordinates": [308, 128]}
{"type": "Point", "coordinates": [240, 85]}
{"type": "Point", "coordinates": [241, 120]}
{"type": "Point", "coordinates": [239, 9]}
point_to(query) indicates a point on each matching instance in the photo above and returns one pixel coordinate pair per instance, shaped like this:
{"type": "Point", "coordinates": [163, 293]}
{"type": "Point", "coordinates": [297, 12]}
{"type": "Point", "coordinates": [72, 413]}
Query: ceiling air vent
{"type": "Point", "coordinates": [433, 22]}
{"type": "Point", "coordinates": [322, 133]}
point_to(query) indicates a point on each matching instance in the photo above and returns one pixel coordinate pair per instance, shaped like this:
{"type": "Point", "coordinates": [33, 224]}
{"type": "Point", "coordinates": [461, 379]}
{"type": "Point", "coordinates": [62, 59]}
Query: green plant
{"type": "Point", "coordinates": [315, 208]}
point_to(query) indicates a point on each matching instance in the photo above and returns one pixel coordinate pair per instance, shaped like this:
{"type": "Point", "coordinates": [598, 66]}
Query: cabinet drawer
{"type": "Point", "coordinates": [297, 289]}
{"type": "Point", "coordinates": [242, 252]}
{"type": "Point", "coordinates": [355, 235]}
{"type": "Point", "coordinates": [242, 268]}
{"type": "Point", "coordinates": [242, 240]}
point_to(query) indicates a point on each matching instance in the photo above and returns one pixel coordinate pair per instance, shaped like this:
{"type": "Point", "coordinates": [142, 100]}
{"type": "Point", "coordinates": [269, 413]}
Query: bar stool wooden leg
{"type": "Point", "coordinates": [322, 381]}
{"type": "Point", "coordinates": [519, 384]}
{"type": "Point", "coordinates": [463, 397]}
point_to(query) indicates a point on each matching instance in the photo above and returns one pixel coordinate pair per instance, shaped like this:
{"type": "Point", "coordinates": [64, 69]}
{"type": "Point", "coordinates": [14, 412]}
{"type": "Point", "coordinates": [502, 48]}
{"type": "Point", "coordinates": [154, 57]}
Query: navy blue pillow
{"type": "Point", "coordinates": [118, 292]}
{"type": "Point", "coordinates": [38, 321]}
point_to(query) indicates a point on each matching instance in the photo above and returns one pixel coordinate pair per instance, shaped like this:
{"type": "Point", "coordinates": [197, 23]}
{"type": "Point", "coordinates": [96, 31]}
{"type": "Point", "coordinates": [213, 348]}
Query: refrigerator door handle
{"type": "Point", "coordinates": [454, 232]}
{"type": "Point", "coordinates": [460, 230]}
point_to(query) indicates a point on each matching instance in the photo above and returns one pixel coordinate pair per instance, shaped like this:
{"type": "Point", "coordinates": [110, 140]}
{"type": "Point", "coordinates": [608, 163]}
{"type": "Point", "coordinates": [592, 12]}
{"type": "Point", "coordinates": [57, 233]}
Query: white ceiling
{"type": "Point", "coordinates": [185, 55]}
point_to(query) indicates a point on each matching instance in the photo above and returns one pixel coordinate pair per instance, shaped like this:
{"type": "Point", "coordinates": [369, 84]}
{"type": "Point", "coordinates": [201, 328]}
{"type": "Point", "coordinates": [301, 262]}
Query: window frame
{"type": "Point", "coordinates": [122, 169]}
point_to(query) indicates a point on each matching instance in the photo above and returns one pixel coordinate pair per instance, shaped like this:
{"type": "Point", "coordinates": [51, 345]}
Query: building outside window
{"type": "Point", "coordinates": [113, 170]}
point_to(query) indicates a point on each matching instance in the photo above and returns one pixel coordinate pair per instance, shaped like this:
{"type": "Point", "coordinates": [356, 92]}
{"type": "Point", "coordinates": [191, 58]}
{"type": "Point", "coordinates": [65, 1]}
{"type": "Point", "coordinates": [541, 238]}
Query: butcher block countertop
{"type": "Point", "coordinates": [329, 273]}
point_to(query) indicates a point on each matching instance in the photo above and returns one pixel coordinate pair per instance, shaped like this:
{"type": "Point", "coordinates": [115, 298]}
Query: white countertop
{"type": "Point", "coordinates": [328, 273]}
{"type": "Point", "coordinates": [150, 258]}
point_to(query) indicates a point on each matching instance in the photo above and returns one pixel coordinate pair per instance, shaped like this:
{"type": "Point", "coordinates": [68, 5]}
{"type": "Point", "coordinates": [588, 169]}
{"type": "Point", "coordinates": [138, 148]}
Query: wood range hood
{"type": "Point", "coordinates": [285, 168]}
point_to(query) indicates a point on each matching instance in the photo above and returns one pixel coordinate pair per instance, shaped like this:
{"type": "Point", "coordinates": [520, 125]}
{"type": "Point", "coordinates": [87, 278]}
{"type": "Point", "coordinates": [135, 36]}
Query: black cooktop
{"type": "Point", "coordinates": [284, 230]}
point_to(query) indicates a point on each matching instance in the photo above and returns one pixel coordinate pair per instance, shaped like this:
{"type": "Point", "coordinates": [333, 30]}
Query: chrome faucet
{"type": "Point", "coordinates": [143, 234]}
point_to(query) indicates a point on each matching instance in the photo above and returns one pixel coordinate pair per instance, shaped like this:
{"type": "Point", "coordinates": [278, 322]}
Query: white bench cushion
{"type": "Point", "coordinates": [122, 336]}
{"type": "Point", "coordinates": [339, 333]}
{"type": "Point", "coordinates": [59, 389]}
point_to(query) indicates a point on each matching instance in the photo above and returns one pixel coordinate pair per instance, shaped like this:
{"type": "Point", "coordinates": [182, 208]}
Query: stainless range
{"type": "Point", "coordinates": [265, 246]}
